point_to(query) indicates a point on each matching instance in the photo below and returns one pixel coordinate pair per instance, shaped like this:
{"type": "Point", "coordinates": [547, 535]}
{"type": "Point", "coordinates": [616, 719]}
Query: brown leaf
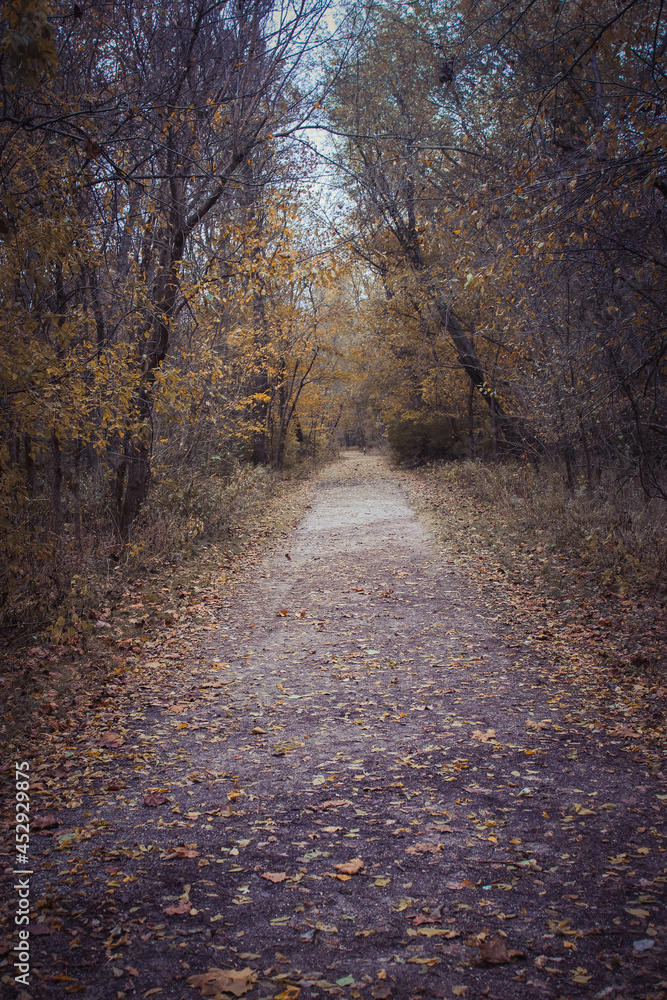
{"type": "Point", "coordinates": [44, 822]}
{"type": "Point", "coordinates": [382, 992]}
{"type": "Point", "coordinates": [151, 799]}
{"type": "Point", "coordinates": [424, 847]}
{"type": "Point", "coordinates": [625, 731]}
{"type": "Point", "coordinates": [111, 739]}
{"type": "Point", "coordinates": [329, 804]}
{"type": "Point", "coordinates": [224, 980]}
{"type": "Point", "coordinates": [350, 867]}
{"type": "Point", "coordinates": [483, 737]}
{"type": "Point", "coordinates": [533, 724]}
{"type": "Point", "coordinates": [275, 876]}
{"type": "Point", "coordinates": [463, 884]}
{"type": "Point", "coordinates": [183, 906]}
{"type": "Point", "coordinates": [40, 928]}
{"type": "Point", "coordinates": [180, 852]}
{"type": "Point", "coordinates": [495, 951]}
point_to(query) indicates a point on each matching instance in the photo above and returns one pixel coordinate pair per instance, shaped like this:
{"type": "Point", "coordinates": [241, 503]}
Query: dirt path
{"type": "Point", "coordinates": [356, 704]}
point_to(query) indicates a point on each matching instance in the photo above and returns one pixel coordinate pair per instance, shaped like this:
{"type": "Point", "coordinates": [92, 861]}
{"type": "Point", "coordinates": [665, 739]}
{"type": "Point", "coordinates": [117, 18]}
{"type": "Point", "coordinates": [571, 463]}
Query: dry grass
{"type": "Point", "coordinates": [578, 581]}
{"type": "Point", "coordinates": [196, 532]}
{"type": "Point", "coordinates": [613, 537]}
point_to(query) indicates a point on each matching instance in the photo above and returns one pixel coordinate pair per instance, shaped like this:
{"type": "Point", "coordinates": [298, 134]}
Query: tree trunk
{"type": "Point", "coordinates": [260, 409]}
{"type": "Point", "coordinates": [29, 459]}
{"type": "Point", "coordinates": [76, 492]}
{"type": "Point", "coordinates": [56, 483]}
{"type": "Point", "coordinates": [515, 438]}
{"type": "Point", "coordinates": [137, 455]}
{"type": "Point", "coordinates": [13, 445]}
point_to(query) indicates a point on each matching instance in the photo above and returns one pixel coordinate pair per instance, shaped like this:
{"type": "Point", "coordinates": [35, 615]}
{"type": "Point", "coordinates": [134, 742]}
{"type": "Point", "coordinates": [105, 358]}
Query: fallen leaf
{"type": "Point", "coordinates": [44, 822]}
{"type": "Point", "coordinates": [625, 731]}
{"type": "Point", "coordinates": [350, 867]}
{"type": "Point", "coordinates": [430, 932]}
{"type": "Point", "coordinates": [152, 799]}
{"type": "Point", "coordinates": [274, 876]}
{"type": "Point", "coordinates": [495, 951]}
{"type": "Point", "coordinates": [424, 847]}
{"type": "Point", "coordinates": [183, 906]}
{"type": "Point", "coordinates": [40, 928]}
{"type": "Point", "coordinates": [483, 738]}
{"type": "Point", "coordinates": [224, 981]}
{"type": "Point", "coordinates": [111, 739]}
{"type": "Point", "coordinates": [329, 804]}
{"type": "Point", "coordinates": [180, 852]}
{"type": "Point", "coordinates": [561, 928]}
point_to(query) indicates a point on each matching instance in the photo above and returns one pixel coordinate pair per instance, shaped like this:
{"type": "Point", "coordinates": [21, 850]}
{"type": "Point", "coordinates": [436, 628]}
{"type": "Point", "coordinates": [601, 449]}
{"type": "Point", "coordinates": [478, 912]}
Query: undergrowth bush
{"type": "Point", "coordinates": [614, 532]}
{"type": "Point", "coordinates": [198, 505]}
{"type": "Point", "coordinates": [425, 438]}
{"type": "Point", "coordinates": [186, 509]}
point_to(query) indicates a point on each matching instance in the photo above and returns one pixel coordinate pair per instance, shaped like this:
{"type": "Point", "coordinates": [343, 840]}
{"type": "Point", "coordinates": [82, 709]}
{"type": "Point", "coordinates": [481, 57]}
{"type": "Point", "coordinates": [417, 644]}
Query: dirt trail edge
{"type": "Point", "coordinates": [353, 790]}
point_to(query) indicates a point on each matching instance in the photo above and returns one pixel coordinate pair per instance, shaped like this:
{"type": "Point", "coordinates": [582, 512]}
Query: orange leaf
{"type": "Point", "coordinates": [350, 867]}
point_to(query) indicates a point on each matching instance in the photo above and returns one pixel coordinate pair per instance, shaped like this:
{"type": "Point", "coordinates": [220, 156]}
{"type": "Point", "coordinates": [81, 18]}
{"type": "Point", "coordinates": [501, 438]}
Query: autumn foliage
{"type": "Point", "coordinates": [164, 319]}
{"type": "Point", "coordinates": [478, 270]}
{"type": "Point", "coordinates": [505, 166]}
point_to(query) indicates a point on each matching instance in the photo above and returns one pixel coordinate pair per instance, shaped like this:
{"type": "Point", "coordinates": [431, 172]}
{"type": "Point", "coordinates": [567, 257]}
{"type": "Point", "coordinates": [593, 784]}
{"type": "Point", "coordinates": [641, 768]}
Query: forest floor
{"type": "Point", "coordinates": [361, 773]}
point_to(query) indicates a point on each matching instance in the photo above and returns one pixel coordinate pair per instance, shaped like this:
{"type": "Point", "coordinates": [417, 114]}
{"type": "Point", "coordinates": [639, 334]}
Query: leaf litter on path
{"type": "Point", "coordinates": [523, 815]}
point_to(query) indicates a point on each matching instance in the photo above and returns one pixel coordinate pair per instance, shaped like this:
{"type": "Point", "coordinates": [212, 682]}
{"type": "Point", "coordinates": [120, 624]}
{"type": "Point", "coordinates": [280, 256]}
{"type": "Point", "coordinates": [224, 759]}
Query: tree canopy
{"type": "Point", "coordinates": [470, 258]}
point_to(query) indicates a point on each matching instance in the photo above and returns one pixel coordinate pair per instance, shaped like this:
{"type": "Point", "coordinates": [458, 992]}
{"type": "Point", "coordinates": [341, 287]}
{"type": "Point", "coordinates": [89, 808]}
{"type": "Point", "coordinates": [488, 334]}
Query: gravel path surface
{"type": "Point", "coordinates": [359, 791]}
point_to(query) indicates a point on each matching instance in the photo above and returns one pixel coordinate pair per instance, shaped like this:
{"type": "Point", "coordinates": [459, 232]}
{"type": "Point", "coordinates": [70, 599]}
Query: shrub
{"type": "Point", "coordinates": [425, 438]}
